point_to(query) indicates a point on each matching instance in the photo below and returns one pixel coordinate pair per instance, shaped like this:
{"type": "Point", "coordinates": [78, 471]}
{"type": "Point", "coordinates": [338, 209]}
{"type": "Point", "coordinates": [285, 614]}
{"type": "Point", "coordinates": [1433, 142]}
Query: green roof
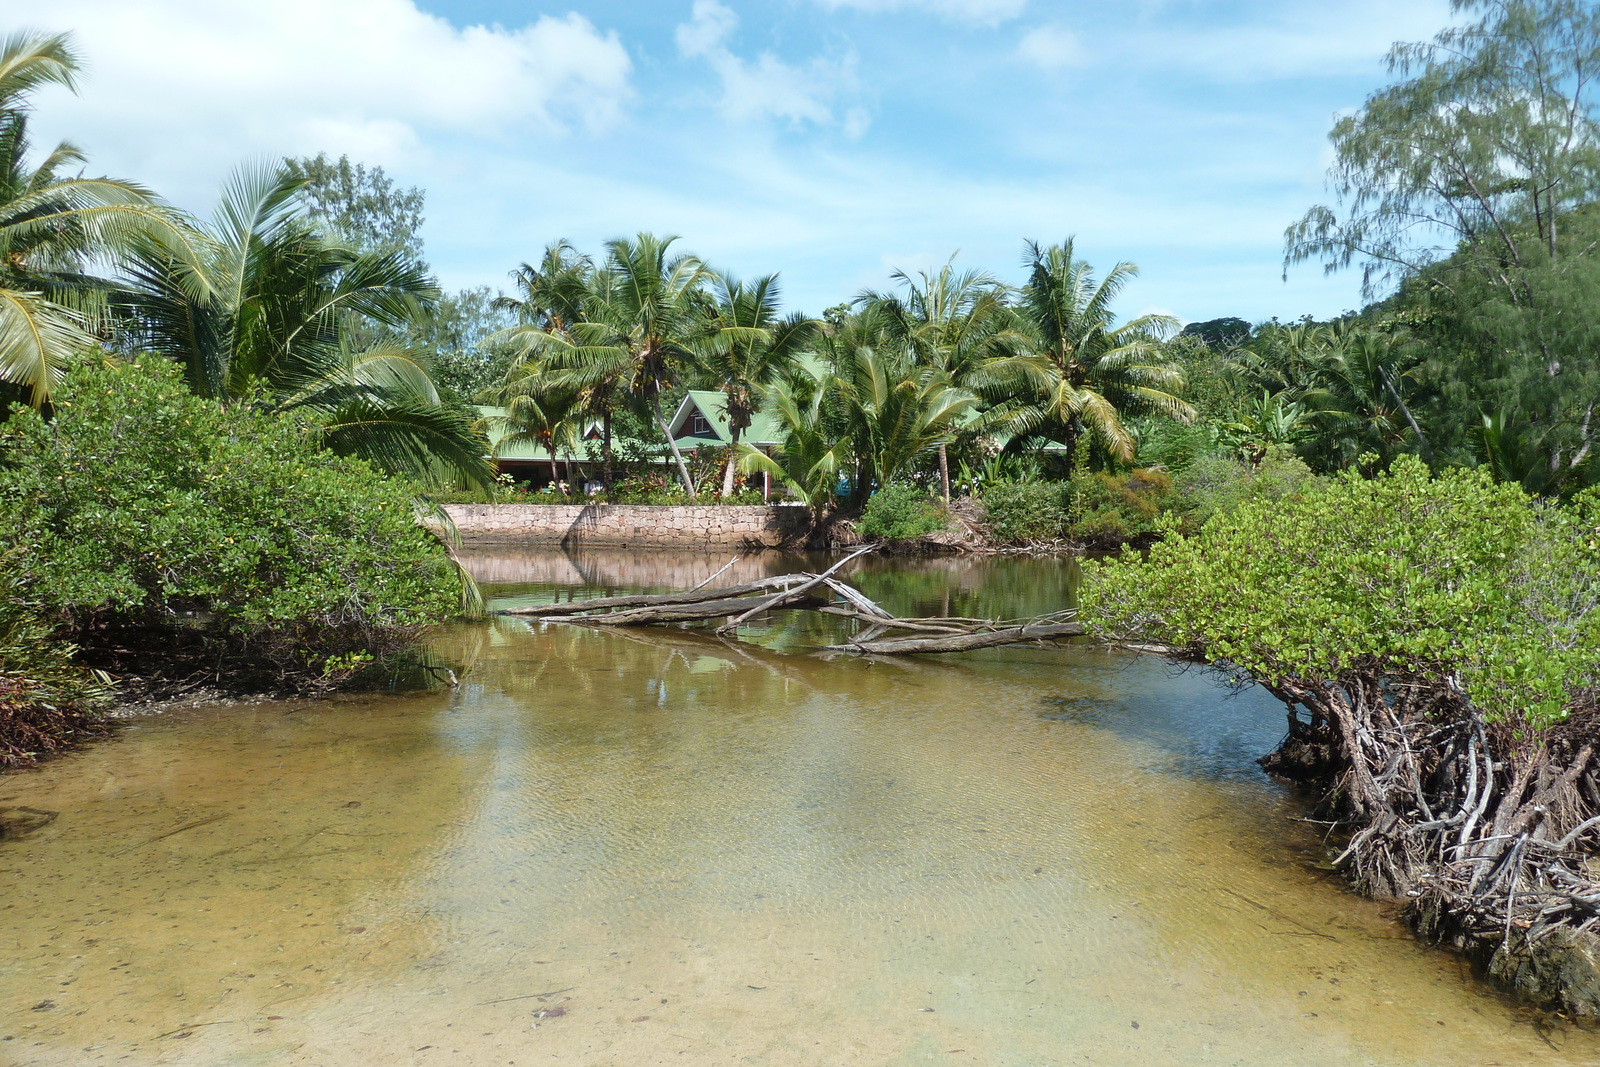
{"type": "Point", "coordinates": [711, 403]}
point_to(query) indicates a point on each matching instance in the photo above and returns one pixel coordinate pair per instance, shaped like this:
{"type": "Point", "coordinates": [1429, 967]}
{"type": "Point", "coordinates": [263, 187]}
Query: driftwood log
{"type": "Point", "coordinates": [646, 600]}
{"type": "Point", "coordinates": [1008, 635]}
{"type": "Point", "coordinates": [812, 592]}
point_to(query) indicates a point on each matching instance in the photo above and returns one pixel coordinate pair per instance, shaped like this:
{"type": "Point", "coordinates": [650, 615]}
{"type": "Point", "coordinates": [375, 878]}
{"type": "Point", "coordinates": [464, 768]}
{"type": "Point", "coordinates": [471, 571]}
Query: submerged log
{"type": "Point", "coordinates": [642, 600]}
{"type": "Point", "coordinates": [710, 609]}
{"type": "Point", "coordinates": [812, 581]}
{"type": "Point", "coordinates": [959, 642]}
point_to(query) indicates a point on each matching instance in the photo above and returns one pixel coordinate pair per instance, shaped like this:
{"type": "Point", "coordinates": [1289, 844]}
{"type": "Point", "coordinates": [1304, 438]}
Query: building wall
{"type": "Point", "coordinates": [686, 526]}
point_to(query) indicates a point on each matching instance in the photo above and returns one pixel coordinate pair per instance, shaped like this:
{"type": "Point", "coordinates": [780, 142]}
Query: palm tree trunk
{"type": "Point", "coordinates": [1070, 439]}
{"type": "Point", "coordinates": [605, 448]}
{"type": "Point", "coordinates": [677, 457]}
{"type": "Point", "coordinates": [733, 456]}
{"type": "Point", "coordinates": [1422, 439]}
{"type": "Point", "coordinates": [944, 474]}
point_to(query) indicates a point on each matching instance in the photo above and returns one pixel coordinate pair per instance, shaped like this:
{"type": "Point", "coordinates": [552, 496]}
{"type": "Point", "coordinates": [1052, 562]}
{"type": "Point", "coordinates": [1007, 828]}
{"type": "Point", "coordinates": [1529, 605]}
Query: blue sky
{"type": "Point", "coordinates": [830, 140]}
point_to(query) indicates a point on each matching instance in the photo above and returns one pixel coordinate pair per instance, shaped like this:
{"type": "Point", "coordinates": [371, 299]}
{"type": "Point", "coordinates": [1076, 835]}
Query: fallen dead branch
{"type": "Point", "coordinates": [825, 593]}
{"type": "Point", "coordinates": [644, 600]}
{"type": "Point", "coordinates": [958, 642]}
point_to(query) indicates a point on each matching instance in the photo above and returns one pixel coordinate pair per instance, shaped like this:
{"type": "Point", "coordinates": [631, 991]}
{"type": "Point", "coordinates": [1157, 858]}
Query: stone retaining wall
{"type": "Point", "coordinates": [629, 524]}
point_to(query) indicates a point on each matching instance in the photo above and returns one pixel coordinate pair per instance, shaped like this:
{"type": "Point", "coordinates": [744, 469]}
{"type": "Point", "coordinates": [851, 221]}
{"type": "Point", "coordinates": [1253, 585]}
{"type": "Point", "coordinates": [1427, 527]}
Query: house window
{"type": "Point", "coordinates": [699, 425]}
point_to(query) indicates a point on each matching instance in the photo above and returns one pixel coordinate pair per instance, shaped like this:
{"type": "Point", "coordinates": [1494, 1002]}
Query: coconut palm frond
{"type": "Point", "coordinates": [38, 340]}
{"type": "Point", "coordinates": [435, 445]}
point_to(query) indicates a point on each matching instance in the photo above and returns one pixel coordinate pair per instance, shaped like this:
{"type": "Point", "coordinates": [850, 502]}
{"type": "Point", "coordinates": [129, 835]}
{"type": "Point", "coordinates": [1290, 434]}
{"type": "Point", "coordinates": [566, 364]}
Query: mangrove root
{"type": "Point", "coordinates": [1484, 831]}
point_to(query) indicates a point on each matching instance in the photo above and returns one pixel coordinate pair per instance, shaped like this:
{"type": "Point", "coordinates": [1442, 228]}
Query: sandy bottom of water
{"type": "Point", "coordinates": [618, 850]}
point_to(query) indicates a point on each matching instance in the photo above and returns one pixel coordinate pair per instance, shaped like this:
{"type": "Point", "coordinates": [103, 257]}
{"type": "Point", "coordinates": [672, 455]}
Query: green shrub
{"type": "Point", "coordinates": [153, 520]}
{"type": "Point", "coordinates": [1453, 582]}
{"type": "Point", "coordinates": [1028, 512]}
{"type": "Point", "coordinates": [660, 489]}
{"type": "Point", "coordinates": [1215, 483]}
{"type": "Point", "coordinates": [1173, 445]}
{"type": "Point", "coordinates": [46, 700]}
{"type": "Point", "coordinates": [901, 511]}
{"type": "Point", "coordinates": [1113, 509]}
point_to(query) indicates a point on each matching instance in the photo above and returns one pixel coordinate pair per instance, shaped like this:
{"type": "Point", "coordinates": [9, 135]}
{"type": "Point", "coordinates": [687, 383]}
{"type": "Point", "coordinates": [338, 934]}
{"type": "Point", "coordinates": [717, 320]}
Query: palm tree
{"type": "Point", "coordinates": [960, 325]}
{"type": "Point", "coordinates": [1515, 449]}
{"type": "Point", "coordinates": [812, 455]}
{"type": "Point", "coordinates": [1100, 371]}
{"type": "Point", "coordinates": [540, 411]}
{"type": "Point", "coordinates": [1261, 422]}
{"type": "Point", "coordinates": [550, 300]}
{"type": "Point", "coordinates": [755, 347]}
{"type": "Point", "coordinates": [54, 225]}
{"type": "Point", "coordinates": [258, 308]}
{"type": "Point", "coordinates": [894, 410]}
{"type": "Point", "coordinates": [646, 323]}
{"type": "Point", "coordinates": [552, 293]}
{"type": "Point", "coordinates": [1360, 398]}
{"type": "Point", "coordinates": [1351, 384]}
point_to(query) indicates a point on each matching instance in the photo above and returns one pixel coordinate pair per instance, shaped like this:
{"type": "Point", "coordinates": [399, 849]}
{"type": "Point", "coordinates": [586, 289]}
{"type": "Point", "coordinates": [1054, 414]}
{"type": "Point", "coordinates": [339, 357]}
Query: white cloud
{"type": "Point", "coordinates": [768, 87]}
{"type": "Point", "coordinates": [178, 86]}
{"type": "Point", "coordinates": [1052, 47]}
{"type": "Point", "coordinates": [988, 12]}
{"type": "Point", "coordinates": [708, 29]}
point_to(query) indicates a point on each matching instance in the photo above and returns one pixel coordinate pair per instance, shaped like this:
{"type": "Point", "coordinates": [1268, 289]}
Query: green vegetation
{"type": "Point", "coordinates": [47, 700]}
{"type": "Point", "coordinates": [1428, 615]}
{"type": "Point", "coordinates": [1402, 576]}
{"type": "Point", "coordinates": [901, 512]}
{"type": "Point", "coordinates": [1469, 186]}
{"type": "Point", "coordinates": [194, 441]}
{"type": "Point", "coordinates": [1113, 509]}
{"type": "Point", "coordinates": [150, 520]}
{"type": "Point", "coordinates": [1437, 643]}
{"type": "Point", "coordinates": [53, 224]}
{"type": "Point", "coordinates": [882, 392]}
{"type": "Point", "coordinates": [1211, 484]}
{"type": "Point", "coordinates": [1022, 513]}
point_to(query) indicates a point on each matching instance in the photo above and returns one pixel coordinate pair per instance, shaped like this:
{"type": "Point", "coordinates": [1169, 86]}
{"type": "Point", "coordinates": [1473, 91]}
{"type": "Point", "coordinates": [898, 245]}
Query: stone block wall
{"type": "Point", "coordinates": [688, 526]}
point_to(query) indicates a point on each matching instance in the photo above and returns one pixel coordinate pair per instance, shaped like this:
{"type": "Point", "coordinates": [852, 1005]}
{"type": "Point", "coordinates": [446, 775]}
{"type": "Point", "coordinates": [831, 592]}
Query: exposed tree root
{"type": "Point", "coordinates": [35, 724]}
{"type": "Point", "coordinates": [1486, 832]}
{"type": "Point", "coordinates": [166, 659]}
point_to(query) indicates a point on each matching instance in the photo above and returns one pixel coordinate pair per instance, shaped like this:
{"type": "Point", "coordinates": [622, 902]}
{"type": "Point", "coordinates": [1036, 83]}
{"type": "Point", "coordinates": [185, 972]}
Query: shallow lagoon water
{"type": "Point", "coordinates": [653, 847]}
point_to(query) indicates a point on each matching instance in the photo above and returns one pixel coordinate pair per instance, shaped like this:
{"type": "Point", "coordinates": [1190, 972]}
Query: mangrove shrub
{"type": "Point", "coordinates": [1437, 642]}
{"type": "Point", "coordinates": [46, 700]}
{"type": "Point", "coordinates": [148, 519]}
{"type": "Point", "coordinates": [1216, 483]}
{"type": "Point", "coordinates": [902, 511]}
{"type": "Point", "coordinates": [1023, 512]}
